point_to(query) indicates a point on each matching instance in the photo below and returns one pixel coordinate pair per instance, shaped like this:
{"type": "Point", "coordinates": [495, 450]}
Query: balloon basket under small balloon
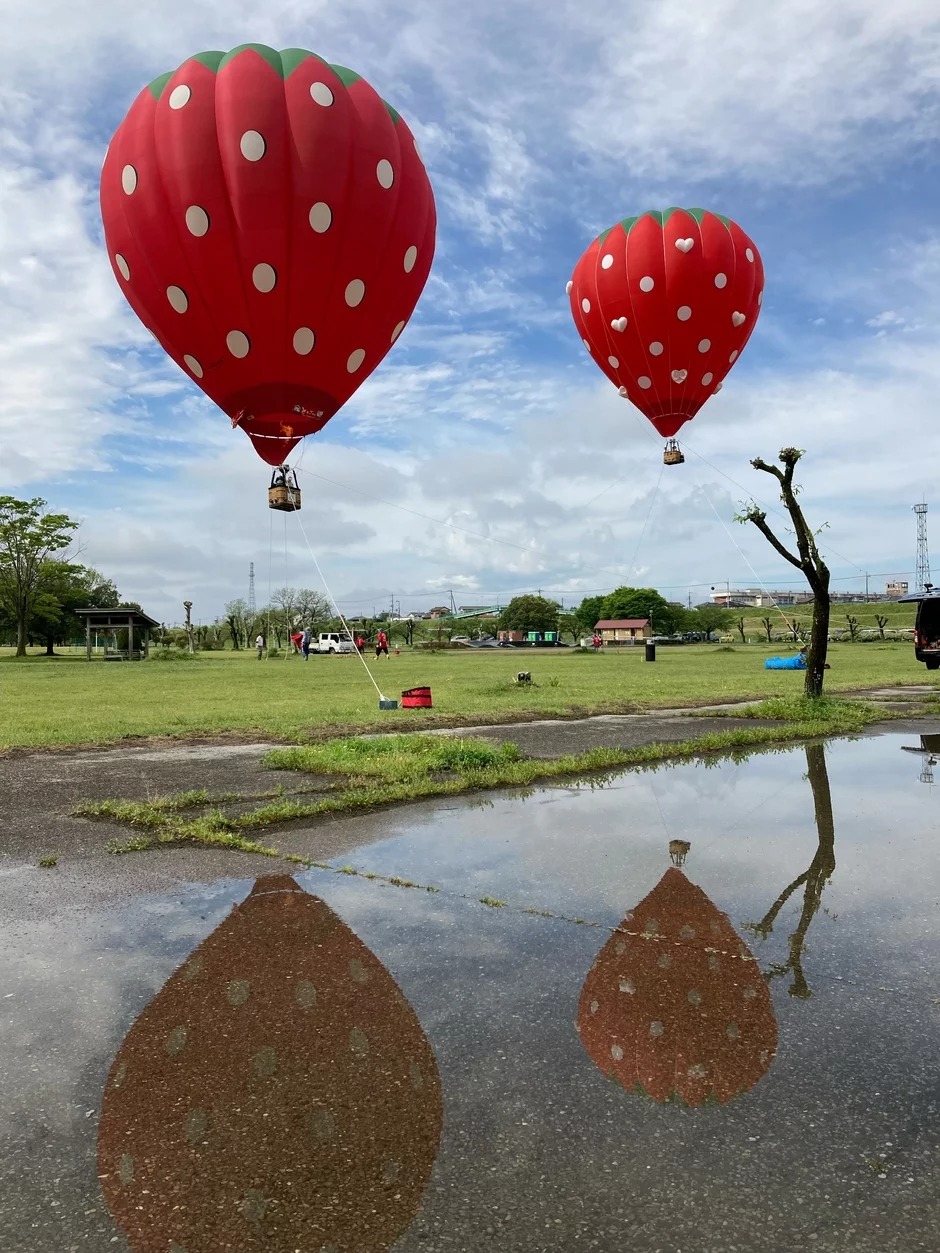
{"type": "Point", "coordinates": [672, 454]}
{"type": "Point", "coordinates": [284, 494]}
{"type": "Point", "coordinates": [388, 704]}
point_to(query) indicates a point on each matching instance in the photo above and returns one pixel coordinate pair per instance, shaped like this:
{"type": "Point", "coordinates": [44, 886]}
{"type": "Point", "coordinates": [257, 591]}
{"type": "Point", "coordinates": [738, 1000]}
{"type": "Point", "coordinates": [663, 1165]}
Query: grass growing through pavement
{"type": "Point", "coordinates": [60, 701]}
{"type": "Point", "coordinates": [393, 769]}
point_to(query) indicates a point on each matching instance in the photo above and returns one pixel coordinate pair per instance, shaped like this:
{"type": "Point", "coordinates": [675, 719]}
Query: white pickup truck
{"type": "Point", "coordinates": [333, 642]}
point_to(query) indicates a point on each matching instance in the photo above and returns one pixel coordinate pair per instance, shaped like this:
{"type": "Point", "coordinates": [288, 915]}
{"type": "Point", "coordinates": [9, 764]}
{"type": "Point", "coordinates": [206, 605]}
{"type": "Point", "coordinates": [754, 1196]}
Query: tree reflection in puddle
{"type": "Point", "coordinates": [278, 1093]}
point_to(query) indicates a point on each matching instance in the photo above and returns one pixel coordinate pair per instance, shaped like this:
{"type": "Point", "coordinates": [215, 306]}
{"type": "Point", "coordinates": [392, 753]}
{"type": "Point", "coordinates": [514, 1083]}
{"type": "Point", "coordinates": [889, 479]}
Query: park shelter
{"type": "Point", "coordinates": [618, 631]}
{"type": "Point", "coordinates": [137, 624]}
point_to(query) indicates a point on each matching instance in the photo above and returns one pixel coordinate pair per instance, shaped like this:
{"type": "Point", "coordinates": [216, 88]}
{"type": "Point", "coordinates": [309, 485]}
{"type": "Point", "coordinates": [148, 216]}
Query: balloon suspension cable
{"type": "Point", "coordinates": [267, 636]}
{"type": "Point", "coordinates": [649, 513]}
{"type": "Point", "coordinates": [333, 602]}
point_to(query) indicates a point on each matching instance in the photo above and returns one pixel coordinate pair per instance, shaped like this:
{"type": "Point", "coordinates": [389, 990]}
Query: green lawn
{"type": "Point", "coordinates": [48, 701]}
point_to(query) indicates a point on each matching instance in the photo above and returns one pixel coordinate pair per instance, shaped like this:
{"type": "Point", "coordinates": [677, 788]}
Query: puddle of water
{"type": "Point", "coordinates": [742, 1055]}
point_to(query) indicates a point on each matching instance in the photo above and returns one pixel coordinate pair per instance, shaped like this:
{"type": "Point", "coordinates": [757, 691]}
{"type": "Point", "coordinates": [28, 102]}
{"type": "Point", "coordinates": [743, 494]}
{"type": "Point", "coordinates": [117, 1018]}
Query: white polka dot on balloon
{"type": "Point", "coordinates": [656, 348]}
{"type": "Point", "coordinates": [252, 145]}
{"type": "Point", "coordinates": [738, 319]}
{"type": "Point", "coordinates": [355, 291]}
{"type": "Point", "coordinates": [178, 299]}
{"type": "Point", "coordinates": [606, 261]}
{"type": "Point", "coordinates": [321, 217]}
{"type": "Point", "coordinates": [706, 379]}
{"type": "Point", "coordinates": [733, 358]}
{"type": "Point", "coordinates": [614, 363]}
{"type": "Point", "coordinates": [355, 360]}
{"type": "Point", "coordinates": [238, 343]}
{"type": "Point", "coordinates": [721, 280]}
{"type": "Point", "coordinates": [122, 266]}
{"type": "Point", "coordinates": [683, 313]}
{"type": "Point", "coordinates": [749, 253]}
{"type": "Point", "coordinates": [760, 297]}
{"type": "Point", "coordinates": [411, 256]}
{"type": "Point", "coordinates": [704, 345]}
{"type": "Point", "coordinates": [568, 287]}
{"type": "Point", "coordinates": [197, 221]}
{"type": "Point", "coordinates": [321, 94]}
{"type": "Point", "coordinates": [644, 382]}
{"type": "Point", "coordinates": [397, 331]}
{"type": "Point", "coordinates": [679, 376]}
{"type": "Point", "coordinates": [646, 283]}
{"type": "Point", "coordinates": [264, 277]}
{"type": "Point", "coordinates": [586, 344]}
{"type": "Point", "coordinates": [193, 365]}
{"type": "Point", "coordinates": [180, 97]}
{"type": "Point", "coordinates": [586, 305]}
{"type": "Point", "coordinates": [129, 180]}
{"type": "Point", "coordinates": [385, 174]}
{"type": "Point", "coordinates": [304, 340]}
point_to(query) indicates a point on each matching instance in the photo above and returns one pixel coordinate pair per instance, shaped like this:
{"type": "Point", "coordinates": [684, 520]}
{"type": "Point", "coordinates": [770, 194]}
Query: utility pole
{"type": "Point", "coordinates": [252, 607]}
{"type": "Point", "coordinates": [923, 559]}
{"type": "Point", "coordinates": [866, 585]}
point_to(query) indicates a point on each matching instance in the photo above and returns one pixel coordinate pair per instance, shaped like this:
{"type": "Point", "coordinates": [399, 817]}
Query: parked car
{"type": "Point", "coordinates": [927, 625]}
{"type": "Point", "coordinates": [333, 642]}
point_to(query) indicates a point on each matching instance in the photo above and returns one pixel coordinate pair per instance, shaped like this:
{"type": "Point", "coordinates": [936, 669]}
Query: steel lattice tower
{"type": "Point", "coordinates": [923, 560]}
{"type": "Point", "coordinates": [252, 607]}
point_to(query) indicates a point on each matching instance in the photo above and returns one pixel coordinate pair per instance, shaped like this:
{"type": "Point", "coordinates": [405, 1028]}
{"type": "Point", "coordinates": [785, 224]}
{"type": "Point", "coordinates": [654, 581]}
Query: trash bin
{"type": "Point", "coordinates": [650, 651]}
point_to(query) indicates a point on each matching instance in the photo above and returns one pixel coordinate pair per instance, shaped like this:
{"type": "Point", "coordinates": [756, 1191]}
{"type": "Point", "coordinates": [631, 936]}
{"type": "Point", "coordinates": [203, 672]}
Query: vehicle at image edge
{"type": "Point", "coordinates": [926, 625]}
{"type": "Point", "coordinates": [333, 642]}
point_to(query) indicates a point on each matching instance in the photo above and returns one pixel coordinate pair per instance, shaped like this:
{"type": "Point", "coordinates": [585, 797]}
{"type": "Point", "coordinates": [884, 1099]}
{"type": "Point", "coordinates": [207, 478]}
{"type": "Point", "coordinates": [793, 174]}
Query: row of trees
{"type": "Point", "coordinates": [536, 613]}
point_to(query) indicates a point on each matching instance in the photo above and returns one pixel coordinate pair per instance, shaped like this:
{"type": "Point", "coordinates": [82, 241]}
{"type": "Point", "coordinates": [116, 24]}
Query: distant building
{"type": "Point", "coordinates": [755, 597]}
{"type": "Point", "coordinates": [439, 611]}
{"type": "Point", "coordinates": [896, 589]}
{"type": "Point", "coordinates": [617, 631]}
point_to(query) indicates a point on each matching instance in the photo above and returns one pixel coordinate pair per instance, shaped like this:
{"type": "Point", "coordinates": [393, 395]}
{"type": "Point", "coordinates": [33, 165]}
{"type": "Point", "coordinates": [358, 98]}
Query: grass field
{"type": "Point", "coordinates": [58, 701]}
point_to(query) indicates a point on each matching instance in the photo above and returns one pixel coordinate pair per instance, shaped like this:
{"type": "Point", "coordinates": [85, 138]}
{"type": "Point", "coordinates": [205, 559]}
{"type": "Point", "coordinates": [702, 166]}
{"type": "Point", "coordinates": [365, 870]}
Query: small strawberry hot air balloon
{"type": "Point", "coordinates": [269, 219]}
{"type": "Point", "coordinates": [675, 1007]}
{"type": "Point", "coordinates": [277, 1094]}
{"type": "Point", "coordinates": [665, 303]}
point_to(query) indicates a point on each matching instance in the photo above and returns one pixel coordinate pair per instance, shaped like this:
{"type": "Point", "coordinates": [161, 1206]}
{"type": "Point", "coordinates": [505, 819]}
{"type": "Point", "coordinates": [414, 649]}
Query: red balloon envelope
{"type": "Point", "coordinates": [270, 221]}
{"type": "Point", "coordinates": [665, 303]}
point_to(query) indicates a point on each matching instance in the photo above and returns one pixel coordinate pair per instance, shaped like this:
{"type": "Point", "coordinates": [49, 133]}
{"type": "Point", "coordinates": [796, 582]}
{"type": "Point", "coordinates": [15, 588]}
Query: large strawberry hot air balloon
{"type": "Point", "coordinates": [675, 1007]}
{"type": "Point", "coordinates": [269, 219]}
{"type": "Point", "coordinates": [665, 303]}
{"type": "Point", "coordinates": [277, 1094]}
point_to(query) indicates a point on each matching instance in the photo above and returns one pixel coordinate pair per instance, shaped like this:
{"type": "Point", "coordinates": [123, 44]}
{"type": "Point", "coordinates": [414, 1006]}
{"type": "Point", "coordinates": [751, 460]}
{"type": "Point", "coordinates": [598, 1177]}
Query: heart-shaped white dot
{"type": "Point", "coordinates": [679, 376]}
{"type": "Point", "coordinates": [619, 324]}
{"type": "Point", "coordinates": [737, 319]}
{"type": "Point", "coordinates": [685, 245]}
{"type": "Point", "coordinates": [622, 391]}
{"type": "Point", "coordinates": [568, 287]}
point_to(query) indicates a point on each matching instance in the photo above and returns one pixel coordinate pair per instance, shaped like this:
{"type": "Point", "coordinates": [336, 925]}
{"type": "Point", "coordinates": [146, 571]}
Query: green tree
{"type": "Point", "coordinates": [711, 618]}
{"type": "Point", "coordinates": [569, 624]}
{"type": "Point", "coordinates": [529, 613]}
{"type": "Point", "coordinates": [644, 602]}
{"type": "Point", "coordinates": [63, 588]}
{"type": "Point", "coordinates": [589, 613]}
{"type": "Point", "coordinates": [28, 537]}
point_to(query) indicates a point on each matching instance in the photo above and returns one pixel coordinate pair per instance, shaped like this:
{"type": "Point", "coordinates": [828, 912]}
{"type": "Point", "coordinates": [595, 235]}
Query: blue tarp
{"type": "Point", "coordinates": [786, 663]}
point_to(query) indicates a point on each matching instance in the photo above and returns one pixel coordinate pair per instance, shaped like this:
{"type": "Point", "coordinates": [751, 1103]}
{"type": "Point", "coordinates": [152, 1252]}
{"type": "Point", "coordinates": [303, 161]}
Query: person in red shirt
{"type": "Point", "coordinates": [381, 645]}
{"type": "Point", "coordinates": [297, 639]}
{"type": "Point", "coordinates": [596, 641]}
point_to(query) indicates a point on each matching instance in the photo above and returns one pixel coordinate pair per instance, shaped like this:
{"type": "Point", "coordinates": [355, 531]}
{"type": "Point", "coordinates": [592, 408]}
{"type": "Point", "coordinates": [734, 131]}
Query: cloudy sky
{"type": "Point", "coordinates": [488, 455]}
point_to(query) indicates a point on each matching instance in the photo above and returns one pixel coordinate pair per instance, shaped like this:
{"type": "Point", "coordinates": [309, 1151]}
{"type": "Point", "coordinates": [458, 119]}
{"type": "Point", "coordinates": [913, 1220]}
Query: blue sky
{"type": "Point", "coordinates": [487, 454]}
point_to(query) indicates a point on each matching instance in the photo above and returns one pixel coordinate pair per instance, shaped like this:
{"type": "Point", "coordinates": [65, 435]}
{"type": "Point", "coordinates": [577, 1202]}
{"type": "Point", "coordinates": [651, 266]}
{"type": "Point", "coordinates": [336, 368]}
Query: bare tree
{"type": "Point", "coordinates": [797, 632]}
{"type": "Point", "coordinates": [853, 627]}
{"type": "Point", "coordinates": [741, 630]}
{"type": "Point", "coordinates": [807, 559]}
{"type": "Point", "coordinates": [882, 622]}
{"type": "Point", "coordinates": [768, 625]}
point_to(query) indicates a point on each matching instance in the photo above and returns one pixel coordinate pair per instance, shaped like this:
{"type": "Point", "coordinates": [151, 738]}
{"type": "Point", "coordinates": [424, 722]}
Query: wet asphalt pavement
{"type": "Point", "coordinates": [570, 1044]}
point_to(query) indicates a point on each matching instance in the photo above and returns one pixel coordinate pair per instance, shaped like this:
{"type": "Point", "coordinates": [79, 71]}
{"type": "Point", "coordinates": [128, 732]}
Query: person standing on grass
{"type": "Point", "coordinates": [381, 645]}
{"type": "Point", "coordinates": [596, 642]}
{"type": "Point", "coordinates": [305, 643]}
{"type": "Point", "coordinates": [259, 644]}
{"type": "Point", "coordinates": [297, 640]}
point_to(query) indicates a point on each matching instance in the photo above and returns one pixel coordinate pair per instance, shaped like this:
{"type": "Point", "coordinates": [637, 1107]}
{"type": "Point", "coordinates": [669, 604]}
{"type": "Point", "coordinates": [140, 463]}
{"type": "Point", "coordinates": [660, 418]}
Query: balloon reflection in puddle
{"type": "Point", "coordinates": [675, 1006]}
{"type": "Point", "coordinates": [278, 1093]}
